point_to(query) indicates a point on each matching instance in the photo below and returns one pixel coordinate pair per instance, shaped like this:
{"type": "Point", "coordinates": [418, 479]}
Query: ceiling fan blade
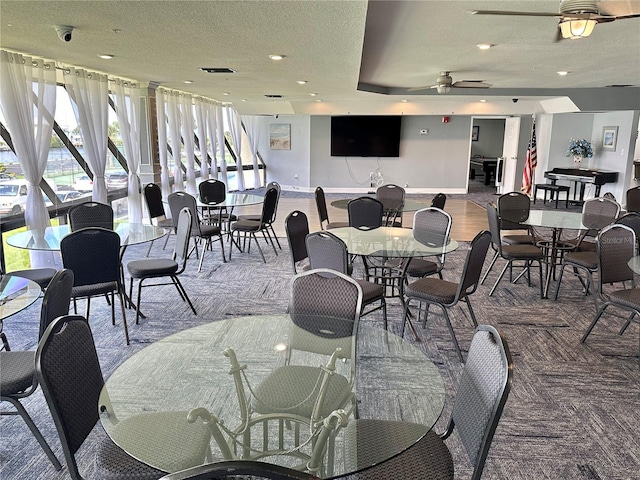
{"type": "Point", "coordinates": [621, 17]}
{"type": "Point", "coordinates": [558, 34]}
{"type": "Point", "coordinates": [425, 87]}
{"type": "Point", "coordinates": [521, 14]}
{"type": "Point", "coordinates": [471, 84]}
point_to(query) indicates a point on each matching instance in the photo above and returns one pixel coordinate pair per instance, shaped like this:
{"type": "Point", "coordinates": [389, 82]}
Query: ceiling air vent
{"type": "Point", "coordinates": [618, 86]}
{"type": "Point", "coordinates": [273, 95]}
{"type": "Point", "coordinates": [217, 70]}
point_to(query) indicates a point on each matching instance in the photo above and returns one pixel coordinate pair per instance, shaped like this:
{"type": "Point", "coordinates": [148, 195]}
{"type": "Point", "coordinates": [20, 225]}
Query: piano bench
{"type": "Point", "coordinates": [554, 189]}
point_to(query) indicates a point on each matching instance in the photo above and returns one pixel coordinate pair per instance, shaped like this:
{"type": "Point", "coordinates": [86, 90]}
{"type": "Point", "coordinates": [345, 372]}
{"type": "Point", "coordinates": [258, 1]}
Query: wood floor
{"type": "Point", "coordinates": [468, 217]}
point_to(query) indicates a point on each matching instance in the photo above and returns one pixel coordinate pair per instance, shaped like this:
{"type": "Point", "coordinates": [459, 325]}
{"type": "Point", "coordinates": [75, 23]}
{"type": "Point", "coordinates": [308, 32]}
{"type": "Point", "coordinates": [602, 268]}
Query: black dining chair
{"type": "Point", "coordinates": [18, 379]}
{"type": "Point", "coordinates": [439, 201]}
{"type": "Point", "coordinates": [482, 393]}
{"type": "Point", "coordinates": [323, 213]}
{"type": "Point", "coordinates": [296, 226]}
{"type": "Point", "coordinates": [157, 215]}
{"type": "Point", "coordinates": [69, 372]}
{"type": "Point", "coordinates": [91, 214]}
{"type": "Point", "coordinates": [213, 192]}
{"type": "Point", "coordinates": [269, 231]}
{"type": "Point", "coordinates": [632, 197]}
{"type": "Point", "coordinates": [392, 198]}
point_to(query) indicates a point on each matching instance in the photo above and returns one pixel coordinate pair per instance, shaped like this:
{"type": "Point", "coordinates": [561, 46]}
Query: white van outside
{"type": "Point", "coordinates": [13, 197]}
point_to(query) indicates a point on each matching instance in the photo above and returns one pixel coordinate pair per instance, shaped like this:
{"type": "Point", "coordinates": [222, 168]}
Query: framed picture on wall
{"type": "Point", "coordinates": [280, 136]}
{"type": "Point", "coordinates": [609, 138]}
{"type": "Point", "coordinates": [475, 133]}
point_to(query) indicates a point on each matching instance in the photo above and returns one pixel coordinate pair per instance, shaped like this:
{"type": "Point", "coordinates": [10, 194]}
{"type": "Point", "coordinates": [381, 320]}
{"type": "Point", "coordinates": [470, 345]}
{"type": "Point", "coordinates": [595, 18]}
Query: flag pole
{"type": "Point", "coordinates": [533, 170]}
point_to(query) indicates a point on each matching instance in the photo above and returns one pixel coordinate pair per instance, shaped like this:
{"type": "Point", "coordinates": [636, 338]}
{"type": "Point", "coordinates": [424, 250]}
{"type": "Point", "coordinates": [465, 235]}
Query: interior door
{"type": "Point", "coordinates": [510, 154]}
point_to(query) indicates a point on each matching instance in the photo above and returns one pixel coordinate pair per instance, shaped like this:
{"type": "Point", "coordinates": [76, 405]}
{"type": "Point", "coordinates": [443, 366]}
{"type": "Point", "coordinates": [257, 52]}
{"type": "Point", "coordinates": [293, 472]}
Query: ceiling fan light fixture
{"type": "Point", "coordinates": [443, 88]}
{"type": "Point", "coordinates": [577, 27]}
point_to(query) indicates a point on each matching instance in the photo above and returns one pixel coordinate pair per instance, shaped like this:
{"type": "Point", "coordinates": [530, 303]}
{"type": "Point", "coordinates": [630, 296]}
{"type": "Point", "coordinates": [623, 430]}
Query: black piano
{"type": "Point", "coordinates": [583, 176]}
{"type": "Point", "coordinates": [488, 165]}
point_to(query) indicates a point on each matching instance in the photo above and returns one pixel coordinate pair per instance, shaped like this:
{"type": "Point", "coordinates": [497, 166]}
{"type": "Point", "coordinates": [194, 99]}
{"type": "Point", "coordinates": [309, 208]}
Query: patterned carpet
{"type": "Point", "coordinates": [572, 412]}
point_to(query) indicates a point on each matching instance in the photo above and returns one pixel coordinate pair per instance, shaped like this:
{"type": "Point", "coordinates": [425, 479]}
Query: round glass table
{"type": "Point", "coordinates": [193, 371]}
{"type": "Point", "coordinates": [408, 205]}
{"type": "Point", "coordinates": [16, 294]}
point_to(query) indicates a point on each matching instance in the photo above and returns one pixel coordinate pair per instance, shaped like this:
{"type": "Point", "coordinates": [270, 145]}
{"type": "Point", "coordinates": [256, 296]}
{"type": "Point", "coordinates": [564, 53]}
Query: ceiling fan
{"type": "Point", "coordinates": [444, 84]}
{"type": "Point", "coordinates": [577, 17]}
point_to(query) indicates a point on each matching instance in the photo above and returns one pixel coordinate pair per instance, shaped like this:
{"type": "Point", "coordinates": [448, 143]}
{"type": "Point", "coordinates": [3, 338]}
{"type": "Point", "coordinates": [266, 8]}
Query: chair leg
{"type": "Point", "coordinates": [493, 262]}
{"type": "Point", "coordinates": [595, 320]}
{"type": "Point", "coordinates": [124, 315]}
{"type": "Point", "coordinates": [453, 335]}
{"type": "Point", "coordinates": [253, 236]}
{"type": "Point", "coordinates": [275, 236]}
{"type": "Point", "coordinates": [183, 293]}
{"type": "Point", "coordinates": [471, 312]}
{"type": "Point", "coordinates": [504, 270]}
{"type": "Point", "coordinates": [626, 325]}
{"type": "Point", "coordinates": [34, 430]}
{"type": "Point", "coordinates": [5, 342]}
{"type": "Point", "coordinates": [555, 297]}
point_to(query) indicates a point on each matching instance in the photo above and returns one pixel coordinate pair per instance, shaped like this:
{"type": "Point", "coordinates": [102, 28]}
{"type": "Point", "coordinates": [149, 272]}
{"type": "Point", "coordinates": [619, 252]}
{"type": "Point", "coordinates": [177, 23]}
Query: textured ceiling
{"type": "Point", "coordinates": [385, 46]}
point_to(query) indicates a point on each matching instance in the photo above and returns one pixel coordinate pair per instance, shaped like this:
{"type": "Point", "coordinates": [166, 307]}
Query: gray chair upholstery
{"type": "Point", "coordinates": [597, 213]}
{"type": "Point", "coordinates": [296, 225]}
{"type": "Point", "coordinates": [365, 212]}
{"type": "Point", "coordinates": [199, 231]}
{"type": "Point", "coordinates": [513, 209]}
{"type": "Point", "coordinates": [150, 268]}
{"type": "Point", "coordinates": [445, 294]}
{"type": "Point", "coordinates": [430, 226]}
{"type": "Point", "coordinates": [69, 373]}
{"type": "Point", "coordinates": [615, 246]}
{"type": "Point", "coordinates": [93, 254]}
{"type": "Point", "coordinates": [157, 214]}
{"type": "Point", "coordinates": [328, 251]}
{"type": "Point", "coordinates": [482, 392]}
{"type": "Point", "coordinates": [512, 253]}
{"type": "Point", "coordinates": [632, 197]}
{"type": "Point", "coordinates": [213, 192]}
{"type": "Point", "coordinates": [18, 379]}
{"type": "Point", "coordinates": [325, 309]}
{"type": "Point", "coordinates": [249, 228]}
{"type": "Point", "coordinates": [231, 469]}
{"type": "Point", "coordinates": [439, 201]}
{"type": "Point", "coordinates": [42, 276]}
{"type": "Point", "coordinates": [323, 214]}
{"type": "Point", "coordinates": [392, 198]}
{"type": "Point", "coordinates": [91, 214]}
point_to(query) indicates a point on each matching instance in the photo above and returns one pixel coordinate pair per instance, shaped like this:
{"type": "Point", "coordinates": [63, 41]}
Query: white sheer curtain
{"type": "Point", "coordinates": [28, 101]}
{"type": "Point", "coordinates": [201, 121]}
{"type": "Point", "coordinates": [212, 135]}
{"type": "Point", "coordinates": [222, 161]}
{"type": "Point", "coordinates": [236, 135]}
{"type": "Point", "coordinates": [128, 111]}
{"type": "Point", "coordinates": [173, 116]}
{"type": "Point", "coordinates": [89, 92]}
{"type": "Point", "coordinates": [187, 129]}
{"type": "Point", "coordinates": [252, 125]}
{"type": "Point", "coordinates": [161, 115]}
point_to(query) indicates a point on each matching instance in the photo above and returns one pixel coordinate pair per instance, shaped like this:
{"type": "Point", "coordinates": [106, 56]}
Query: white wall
{"type": "Point", "coordinates": [490, 137]}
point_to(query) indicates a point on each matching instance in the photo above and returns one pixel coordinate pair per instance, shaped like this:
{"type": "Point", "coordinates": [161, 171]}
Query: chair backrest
{"type": "Point", "coordinates": [69, 372]}
{"type": "Point", "coordinates": [269, 205]}
{"type": "Point", "coordinates": [181, 248]}
{"type": "Point", "coordinates": [91, 214]}
{"type": "Point", "coordinates": [431, 226]}
{"type": "Point", "coordinates": [494, 227]}
{"type": "Point", "coordinates": [57, 297]}
{"type": "Point", "coordinates": [327, 251]}
{"type": "Point", "coordinates": [365, 212]}
{"type": "Point", "coordinates": [321, 206]}
{"type": "Point", "coordinates": [615, 246]}
{"type": "Point", "coordinates": [324, 301]}
{"type": "Point", "coordinates": [296, 226]}
{"type": "Point", "coordinates": [439, 201]}
{"type": "Point", "coordinates": [391, 196]}
{"type": "Point", "coordinates": [93, 254]}
{"type": "Point", "coordinates": [233, 468]}
{"type": "Point", "coordinates": [180, 200]}
{"type": "Point", "coordinates": [633, 199]}
{"type": "Point", "coordinates": [275, 185]}
{"type": "Point", "coordinates": [610, 196]}
{"type": "Point", "coordinates": [212, 191]}
{"type": "Point", "coordinates": [482, 393]}
{"type": "Point", "coordinates": [599, 212]}
{"type": "Point", "coordinates": [473, 264]}
{"type": "Point", "coordinates": [153, 199]}
{"type": "Point", "coordinates": [631, 220]}
{"type": "Point", "coordinates": [513, 209]}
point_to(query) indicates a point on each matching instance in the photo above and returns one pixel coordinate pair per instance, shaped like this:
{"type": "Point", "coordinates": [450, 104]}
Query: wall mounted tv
{"type": "Point", "coordinates": [365, 136]}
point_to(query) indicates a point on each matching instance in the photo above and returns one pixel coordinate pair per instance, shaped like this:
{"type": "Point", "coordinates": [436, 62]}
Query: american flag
{"type": "Point", "coordinates": [530, 163]}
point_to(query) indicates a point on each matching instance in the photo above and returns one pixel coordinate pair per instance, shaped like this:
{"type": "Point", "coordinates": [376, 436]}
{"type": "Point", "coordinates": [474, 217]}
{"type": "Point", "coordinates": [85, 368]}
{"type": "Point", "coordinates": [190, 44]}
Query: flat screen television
{"type": "Point", "coordinates": [365, 136]}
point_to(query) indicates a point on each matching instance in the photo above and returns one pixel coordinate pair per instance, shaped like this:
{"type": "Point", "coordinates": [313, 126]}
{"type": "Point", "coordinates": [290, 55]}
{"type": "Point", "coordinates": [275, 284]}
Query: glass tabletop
{"type": "Point", "coordinates": [235, 200]}
{"type": "Point", "coordinates": [570, 220]}
{"type": "Point", "coordinates": [408, 206]}
{"type": "Point", "coordinates": [189, 370]}
{"type": "Point", "coordinates": [390, 242]}
{"type": "Point", "coordinates": [49, 239]}
{"type": "Point", "coordinates": [634, 264]}
{"type": "Point", "coordinates": [16, 294]}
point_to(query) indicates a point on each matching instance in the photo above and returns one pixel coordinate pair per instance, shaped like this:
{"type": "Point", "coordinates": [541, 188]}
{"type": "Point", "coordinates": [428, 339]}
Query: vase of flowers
{"type": "Point", "coordinates": [579, 149]}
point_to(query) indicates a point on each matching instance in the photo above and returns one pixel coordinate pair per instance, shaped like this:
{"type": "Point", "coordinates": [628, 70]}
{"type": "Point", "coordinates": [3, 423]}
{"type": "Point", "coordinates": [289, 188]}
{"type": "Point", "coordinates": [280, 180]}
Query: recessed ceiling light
{"type": "Point", "coordinates": [484, 46]}
{"type": "Point", "coordinates": [226, 93]}
{"type": "Point", "coordinates": [313, 94]}
{"type": "Point", "coordinates": [404, 100]}
{"type": "Point", "coordinates": [301, 82]}
{"type": "Point", "coordinates": [244, 99]}
{"type": "Point", "coordinates": [276, 57]}
{"type": "Point", "coordinates": [187, 81]}
{"type": "Point", "coordinates": [106, 56]}
{"type": "Point", "coordinates": [319, 100]}
{"type": "Point", "coordinates": [562, 73]}
{"type": "Point", "coordinates": [483, 101]}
